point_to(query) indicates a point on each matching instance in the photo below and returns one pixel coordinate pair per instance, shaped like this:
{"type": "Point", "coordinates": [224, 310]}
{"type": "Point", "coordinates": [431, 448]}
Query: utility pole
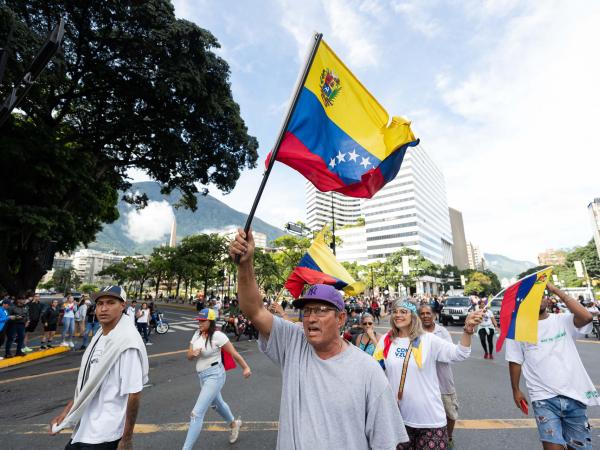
{"type": "Point", "coordinates": [333, 225]}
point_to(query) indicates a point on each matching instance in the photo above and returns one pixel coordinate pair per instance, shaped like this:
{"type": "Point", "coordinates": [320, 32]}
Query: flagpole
{"type": "Point", "coordinates": [317, 37]}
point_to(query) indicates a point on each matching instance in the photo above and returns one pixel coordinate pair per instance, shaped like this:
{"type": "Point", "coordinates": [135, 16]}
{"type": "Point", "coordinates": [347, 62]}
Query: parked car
{"type": "Point", "coordinates": [495, 308]}
{"type": "Point", "coordinates": [455, 310]}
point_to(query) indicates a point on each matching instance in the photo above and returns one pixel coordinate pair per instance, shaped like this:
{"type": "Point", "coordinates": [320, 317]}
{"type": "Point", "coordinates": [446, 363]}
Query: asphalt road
{"type": "Point", "coordinates": [32, 394]}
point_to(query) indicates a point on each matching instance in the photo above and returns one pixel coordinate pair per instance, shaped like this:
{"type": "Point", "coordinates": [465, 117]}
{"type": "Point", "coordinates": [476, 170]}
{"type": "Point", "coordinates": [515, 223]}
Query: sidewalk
{"type": "Point", "coordinates": [35, 355]}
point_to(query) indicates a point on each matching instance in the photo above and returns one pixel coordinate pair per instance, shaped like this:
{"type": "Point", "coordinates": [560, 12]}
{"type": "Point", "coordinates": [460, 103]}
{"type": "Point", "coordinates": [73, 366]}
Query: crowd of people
{"type": "Point", "coordinates": [370, 373]}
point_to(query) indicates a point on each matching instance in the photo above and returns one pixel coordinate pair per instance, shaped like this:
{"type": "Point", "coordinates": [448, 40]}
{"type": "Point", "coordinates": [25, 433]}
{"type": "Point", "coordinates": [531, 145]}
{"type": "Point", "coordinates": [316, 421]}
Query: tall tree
{"type": "Point", "coordinates": [133, 87]}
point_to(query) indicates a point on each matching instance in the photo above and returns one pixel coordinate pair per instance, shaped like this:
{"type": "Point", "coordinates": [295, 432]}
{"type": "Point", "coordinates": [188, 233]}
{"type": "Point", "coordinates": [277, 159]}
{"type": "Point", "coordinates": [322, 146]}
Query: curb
{"type": "Point", "coordinates": [16, 360]}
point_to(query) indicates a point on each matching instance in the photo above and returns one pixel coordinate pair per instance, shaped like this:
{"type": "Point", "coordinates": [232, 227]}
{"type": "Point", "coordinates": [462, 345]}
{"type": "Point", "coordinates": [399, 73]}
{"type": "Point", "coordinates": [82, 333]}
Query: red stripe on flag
{"type": "Point", "coordinates": [295, 154]}
{"type": "Point", "coordinates": [303, 275]}
{"type": "Point", "coordinates": [506, 311]}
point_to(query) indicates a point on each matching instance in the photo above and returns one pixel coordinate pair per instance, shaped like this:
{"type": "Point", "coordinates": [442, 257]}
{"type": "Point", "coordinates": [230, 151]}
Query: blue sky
{"type": "Point", "coordinates": [503, 94]}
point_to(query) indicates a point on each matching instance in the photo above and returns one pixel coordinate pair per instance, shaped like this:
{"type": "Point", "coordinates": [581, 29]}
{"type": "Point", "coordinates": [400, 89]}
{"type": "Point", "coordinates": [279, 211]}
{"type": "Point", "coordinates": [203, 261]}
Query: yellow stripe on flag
{"type": "Point", "coordinates": [355, 110]}
{"type": "Point", "coordinates": [325, 259]}
{"type": "Point", "coordinates": [526, 327]}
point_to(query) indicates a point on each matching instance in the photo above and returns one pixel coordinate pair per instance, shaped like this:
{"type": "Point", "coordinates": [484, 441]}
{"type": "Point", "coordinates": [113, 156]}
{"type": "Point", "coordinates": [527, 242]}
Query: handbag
{"type": "Point", "coordinates": [227, 360]}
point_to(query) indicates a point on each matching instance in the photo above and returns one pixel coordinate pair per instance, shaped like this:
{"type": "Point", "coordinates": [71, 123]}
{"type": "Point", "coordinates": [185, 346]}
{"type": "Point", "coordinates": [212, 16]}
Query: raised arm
{"type": "Point", "coordinates": [250, 299]}
{"type": "Point", "coordinates": [581, 316]}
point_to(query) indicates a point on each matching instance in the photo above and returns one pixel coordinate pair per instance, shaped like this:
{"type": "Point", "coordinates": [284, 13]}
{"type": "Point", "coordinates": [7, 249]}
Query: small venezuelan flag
{"type": "Point", "coordinates": [319, 266]}
{"type": "Point", "coordinates": [339, 137]}
{"type": "Point", "coordinates": [520, 309]}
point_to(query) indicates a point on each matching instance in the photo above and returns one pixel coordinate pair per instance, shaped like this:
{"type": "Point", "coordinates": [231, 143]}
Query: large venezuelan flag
{"type": "Point", "coordinates": [319, 266]}
{"type": "Point", "coordinates": [339, 136]}
{"type": "Point", "coordinates": [520, 309]}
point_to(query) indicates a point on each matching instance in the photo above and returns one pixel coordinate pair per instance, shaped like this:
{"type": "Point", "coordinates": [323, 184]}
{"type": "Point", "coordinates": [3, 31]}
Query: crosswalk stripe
{"type": "Point", "coordinates": [182, 327]}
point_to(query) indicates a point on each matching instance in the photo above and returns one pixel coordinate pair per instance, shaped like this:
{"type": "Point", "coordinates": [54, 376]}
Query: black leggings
{"type": "Point", "coordinates": [490, 340]}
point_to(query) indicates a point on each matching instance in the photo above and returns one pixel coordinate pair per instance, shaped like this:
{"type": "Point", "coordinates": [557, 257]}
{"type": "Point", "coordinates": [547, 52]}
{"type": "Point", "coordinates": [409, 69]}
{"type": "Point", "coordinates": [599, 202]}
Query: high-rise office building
{"type": "Point", "coordinates": [346, 210]}
{"type": "Point", "coordinates": [410, 211]}
{"type": "Point", "coordinates": [459, 241]}
{"type": "Point", "coordinates": [594, 210]}
{"type": "Point", "coordinates": [475, 257]}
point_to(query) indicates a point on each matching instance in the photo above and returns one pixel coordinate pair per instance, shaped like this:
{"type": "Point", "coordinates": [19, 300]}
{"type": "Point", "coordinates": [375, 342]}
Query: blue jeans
{"type": "Point", "coordinates": [563, 421]}
{"type": "Point", "coordinates": [68, 327]}
{"type": "Point", "coordinates": [12, 330]}
{"type": "Point", "coordinates": [212, 381]}
{"type": "Point", "coordinates": [89, 328]}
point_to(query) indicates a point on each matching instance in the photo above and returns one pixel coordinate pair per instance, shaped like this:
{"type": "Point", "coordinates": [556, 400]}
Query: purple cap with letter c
{"type": "Point", "coordinates": [323, 293]}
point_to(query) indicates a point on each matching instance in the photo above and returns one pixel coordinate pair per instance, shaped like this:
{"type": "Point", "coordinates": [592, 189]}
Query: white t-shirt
{"type": "Point", "coordinates": [443, 369]}
{"type": "Point", "coordinates": [104, 418]}
{"type": "Point", "coordinates": [209, 352]}
{"type": "Point", "coordinates": [421, 405]}
{"type": "Point", "coordinates": [145, 313]}
{"type": "Point", "coordinates": [131, 313]}
{"type": "Point", "coordinates": [486, 320]}
{"type": "Point", "coordinates": [70, 309]}
{"type": "Point", "coordinates": [552, 366]}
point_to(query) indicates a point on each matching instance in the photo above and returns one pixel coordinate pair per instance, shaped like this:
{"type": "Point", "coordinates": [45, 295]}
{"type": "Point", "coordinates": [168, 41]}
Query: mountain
{"type": "Point", "coordinates": [211, 215]}
{"type": "Point", "coordinates": [506, 267]}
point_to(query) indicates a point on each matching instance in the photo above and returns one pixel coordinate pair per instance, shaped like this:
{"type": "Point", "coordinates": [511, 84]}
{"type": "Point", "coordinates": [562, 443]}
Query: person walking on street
{"type": "Point", "coordinates": [70, 307]}
{"type": "Point", "coordinates": [34, 309]}
{"type": "Point", "coordinates": [333, 395]}
{"type": "Point", "coordinates": [560, 389]}
{"type": "Point", "coordinates": [18, 321]}
{"type": "Point", "coordinates": [143, 319]}
{"type": "Point", "coordinates": [205, 349]}
{"type": "Point", "coordinates": [376, 309]}
{"type": "Point", "coordinates": [50, 321]}
{"type": "Point", "coordinates": [368, 339]}
{"type": "Point", "coordinates": [3, 322]}
{"type": "Point", "coordinates": [113, 371]}
{"type": "Point", "coordinates": [486, 330]}
{"type": "Point", "coordinates": [444, 371]}
{"type": "Point", "coordinates": [409, 357]}
{"type": "Point", "coordinates": [91, 325]}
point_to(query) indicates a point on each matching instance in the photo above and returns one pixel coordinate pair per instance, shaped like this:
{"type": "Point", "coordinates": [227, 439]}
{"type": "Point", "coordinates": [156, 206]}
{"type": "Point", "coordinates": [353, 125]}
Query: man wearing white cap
{"type": "Point", "coordinates": [113, 371]}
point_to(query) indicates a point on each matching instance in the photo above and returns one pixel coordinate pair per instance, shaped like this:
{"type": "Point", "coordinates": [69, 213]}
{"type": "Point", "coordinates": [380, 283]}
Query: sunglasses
{"type": "Point", "coordinates": [367, 323]}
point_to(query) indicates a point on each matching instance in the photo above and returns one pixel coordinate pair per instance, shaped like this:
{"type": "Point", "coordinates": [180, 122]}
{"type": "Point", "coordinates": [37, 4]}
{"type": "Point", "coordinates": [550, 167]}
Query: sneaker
{"type": "Point", "coordinates": [27, 350]}
{"type": "Point", "coordinates": [235, 431]}
{"type": "Point", "coordinates": [64, 344]}
{"type": "Point", "coordinates": [49, 345]}
{"type": "Point", "coordinates": [71, 344]}
{"type": "Point", "coordinates": [148, 343]}
{"type": "Point", "coordinates": [485, 356]}
{"type": "Point", "coordinates": [8, 355]}
{"type": "Point", "coordinates": [43, 347]}
{"type": "Point", "coordinates": [19, 354]}
{"type": "Point", "coordinates": [491, 356]}
{"type": "Point", "coordinates": [1, 358]}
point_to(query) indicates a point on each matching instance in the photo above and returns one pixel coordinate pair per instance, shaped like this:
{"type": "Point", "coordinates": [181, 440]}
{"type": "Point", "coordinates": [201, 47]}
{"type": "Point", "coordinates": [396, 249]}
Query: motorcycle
{"type": "Point", "coordinates": [596, 327]}
{"type": "Point", "coordinates": [245, 327]}
{"type": "Point", "coordinates": [158, 323]}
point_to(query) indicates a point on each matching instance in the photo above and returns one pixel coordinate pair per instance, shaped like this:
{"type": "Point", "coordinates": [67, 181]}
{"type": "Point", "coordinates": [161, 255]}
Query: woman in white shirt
{"type": "Point", "coordinates": [143, 319]}
{"type": "Point", "coordinates": [486, 331]}
{"type": "Point", "coordinates": [205, 348]}
{"type": "Point", "coordinates": [409, 357]}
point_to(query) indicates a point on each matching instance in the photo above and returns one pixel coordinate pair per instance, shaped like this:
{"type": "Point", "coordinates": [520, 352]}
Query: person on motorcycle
{"type": "Point", "coordinates": [231, 315]}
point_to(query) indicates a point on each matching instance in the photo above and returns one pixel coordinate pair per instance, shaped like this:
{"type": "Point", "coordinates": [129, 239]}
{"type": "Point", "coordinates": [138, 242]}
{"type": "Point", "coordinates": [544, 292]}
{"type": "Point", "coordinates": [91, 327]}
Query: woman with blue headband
{"type": "Point", "coordinates": [408, 356]}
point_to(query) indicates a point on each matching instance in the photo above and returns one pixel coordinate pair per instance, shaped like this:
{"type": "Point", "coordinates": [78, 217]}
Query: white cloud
{"type": "Point", "coordinates": [151, 223]}
{"type": "Point", "coordinates": [523, 161]}
{"type": "Point", "coordinates": [418, 14]}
